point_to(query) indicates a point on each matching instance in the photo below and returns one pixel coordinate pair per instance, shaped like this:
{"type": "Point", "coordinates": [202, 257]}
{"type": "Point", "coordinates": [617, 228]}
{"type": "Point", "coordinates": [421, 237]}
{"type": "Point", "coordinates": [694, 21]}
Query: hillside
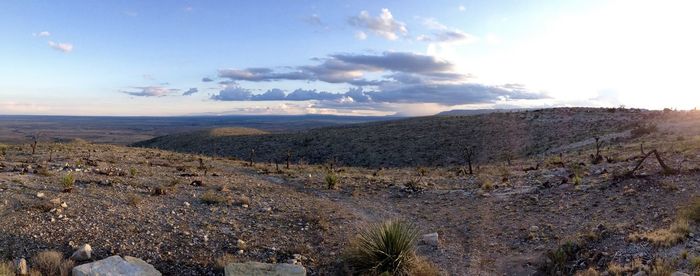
{"type": "Point", "coordinates": [187, 217]}
{"type": "Point", "coordinates": [424, 141]}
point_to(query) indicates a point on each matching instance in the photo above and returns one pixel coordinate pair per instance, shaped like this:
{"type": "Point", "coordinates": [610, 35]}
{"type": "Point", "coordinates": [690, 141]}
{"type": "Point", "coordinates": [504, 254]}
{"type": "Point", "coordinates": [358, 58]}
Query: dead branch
{"type": "Point", "coordinates": [667, 169]}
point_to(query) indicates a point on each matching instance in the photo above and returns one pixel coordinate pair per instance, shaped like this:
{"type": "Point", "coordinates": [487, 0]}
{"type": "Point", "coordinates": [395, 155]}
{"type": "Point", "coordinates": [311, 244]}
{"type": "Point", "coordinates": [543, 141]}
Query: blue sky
{"type": "Point", "coordinates": [342, 57]}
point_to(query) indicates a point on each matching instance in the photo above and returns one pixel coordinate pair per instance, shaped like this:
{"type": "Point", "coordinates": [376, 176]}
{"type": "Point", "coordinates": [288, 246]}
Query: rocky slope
{"type": "Point", "coordinates": [426, 141]}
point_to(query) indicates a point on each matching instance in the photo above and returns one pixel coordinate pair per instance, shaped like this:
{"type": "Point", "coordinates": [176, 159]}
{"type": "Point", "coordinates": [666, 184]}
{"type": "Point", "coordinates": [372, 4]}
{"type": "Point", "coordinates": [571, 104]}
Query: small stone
{"type": "Point", "coordinates": [534, 228]}
{"type": "Point", "coordinates": [187, 204]}
{"type": "Point", "coordinates": [240, 252]}
{"type": "Point", "coordinates": [55, 201]}
{"type": "Point", "coordinates": [40, 195]}
{"type": "Point", "coordinates": [64, 205]}
{"type": "Point", "coordinates": [432, 239]}
{"type": "Point", "coordinates": [244, 205]}
{"type": "Point", "coordinates": [82, 254]}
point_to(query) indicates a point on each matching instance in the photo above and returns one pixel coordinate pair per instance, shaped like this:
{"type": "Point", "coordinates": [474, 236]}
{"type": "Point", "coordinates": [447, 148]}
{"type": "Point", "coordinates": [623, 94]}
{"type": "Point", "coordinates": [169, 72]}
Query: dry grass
{"type": "Point", "coordinates": [692, 210]}
{"type": "Point", "coordinates": [212, 197]}
{"type": "Point", "coordinates": [133, 199]}
{"type": "Point", "coordinates": [676, 233]}
{"type": "Point", "coordinates": [52, 263]}
{"type": "Point", "coordinates": [588, 272]}
{"type": "Point", "coordinates": [424, 267]}
{"type": "Point", "coordinates": [7, 269]}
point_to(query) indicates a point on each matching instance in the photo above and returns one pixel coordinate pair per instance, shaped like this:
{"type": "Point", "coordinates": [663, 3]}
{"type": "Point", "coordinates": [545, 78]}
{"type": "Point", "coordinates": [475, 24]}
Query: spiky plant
{"type": "Point", "coordinates": [387, 247]}
{"type": "Point", "coordinates": [331, 180]}
{"type": "Point", "coordinates": [68, 181]}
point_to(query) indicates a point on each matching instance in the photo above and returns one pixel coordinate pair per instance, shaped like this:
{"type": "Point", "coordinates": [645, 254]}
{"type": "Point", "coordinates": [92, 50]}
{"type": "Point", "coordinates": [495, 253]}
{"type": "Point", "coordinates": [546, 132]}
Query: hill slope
{"type": "Point", "coordinates": [425, 141]}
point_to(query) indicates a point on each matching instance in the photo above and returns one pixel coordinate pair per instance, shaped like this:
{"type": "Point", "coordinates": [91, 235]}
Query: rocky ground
{"type": "Point", "coordinates": [181, 215]}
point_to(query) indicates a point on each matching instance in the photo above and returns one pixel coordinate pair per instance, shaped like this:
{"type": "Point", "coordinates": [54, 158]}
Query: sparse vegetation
{"type": "Point", "coordinates": [52, 263]}
{"type": "Point", "coordinates": [387, 247]}
{"type": "Point", "coordinates": [331, 180]}
{"type": "Point", "coordinates": [212, 197]}
{"type": "Point", "coordinates": [68, 181]}
{"type": "Point", "coordinates": [677, 232]}
{"type": "Point", "coordinates": [134, 199]}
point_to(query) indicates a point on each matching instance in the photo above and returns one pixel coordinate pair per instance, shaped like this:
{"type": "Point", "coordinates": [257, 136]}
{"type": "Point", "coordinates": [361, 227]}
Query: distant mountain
{"type": "Point", "coordinates": [422, 141]}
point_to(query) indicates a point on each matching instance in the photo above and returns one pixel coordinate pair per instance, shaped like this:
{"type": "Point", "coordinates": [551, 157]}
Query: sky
{"type": "Point", "coordinates": [410, 58]}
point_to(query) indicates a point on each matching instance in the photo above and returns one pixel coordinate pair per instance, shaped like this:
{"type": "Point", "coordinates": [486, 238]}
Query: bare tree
{"type": "Point", "coordinates": [252, 155]}
{"type": "Point", "coordinates": [289, 157]}
{"type": "Point", "coordinates": [469, 154]}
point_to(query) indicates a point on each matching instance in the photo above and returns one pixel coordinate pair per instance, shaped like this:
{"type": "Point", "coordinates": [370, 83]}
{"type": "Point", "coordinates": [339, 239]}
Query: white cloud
{"type": "Point", "coordinates": [60, 46]}
{"type": "Point", "coordinates": [462, 8]}
{"type": "Point", "coordinates": [443, 34]}
{"type": "Point", "coordinates": [360, 35]}
{"type": "Point", "coordinates": [150, 91]}
{"type": "Point", "coordinates": [383, 25]}
{"type": "Point", "coordinates": [42, 34]}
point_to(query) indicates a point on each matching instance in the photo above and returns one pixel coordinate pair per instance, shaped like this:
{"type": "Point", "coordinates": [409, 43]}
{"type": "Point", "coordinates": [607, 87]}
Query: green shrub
{"type": "Point", "coordinates": [68, 181]}
{"type": "Point", "coordinates": [387, 247]}
{"type": "Point", "coordinates": [133, 172]}
{"type": "Point", "coordinates": [331, 180]}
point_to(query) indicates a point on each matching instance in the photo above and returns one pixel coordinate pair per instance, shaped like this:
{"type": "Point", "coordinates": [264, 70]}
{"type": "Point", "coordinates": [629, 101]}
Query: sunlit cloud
{"type": "Point", "coordinates": [61, 46]}
{"type": "Point", "coordinates": [384, 25]}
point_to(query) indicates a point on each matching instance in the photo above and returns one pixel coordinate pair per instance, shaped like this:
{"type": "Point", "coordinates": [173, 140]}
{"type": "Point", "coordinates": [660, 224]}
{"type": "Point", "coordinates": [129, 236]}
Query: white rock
{"type": "Point", "coordinates": [64, 205]}
{"type": "Point", "coordinates": [40, 195]}
{"type": "Point", "coordinates": [187, 204]}
{"type": "Point", "coordinates": [115, 265]}
{"type": "Point", "coordinates": [82, 254]}
{"type": "Point", "coordinates": [432, 239]}
{"type": "Point", "coordinates": [255, 268]}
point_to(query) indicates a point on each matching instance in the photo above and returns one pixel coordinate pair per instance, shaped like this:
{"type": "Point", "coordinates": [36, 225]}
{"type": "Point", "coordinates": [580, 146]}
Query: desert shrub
{"type": "Point", "coordinates": [387, 247]}
{"type": "Point", "coordinates": [212, 197]}
{"type": "Point", "coordinates": [486, 183]}
{"type": "Point", "coordinates": [331, 180]}
{"type": "Point", "coordinates": [133, 172]}
{"type": "Point", "coordinates": [3, 149]}
{"type": "Point", "coordinates": [68, 181]}
{"type": "Point", "coordinates": [557, 261]}
{"type": "Point", "coordinates": [52, 263]}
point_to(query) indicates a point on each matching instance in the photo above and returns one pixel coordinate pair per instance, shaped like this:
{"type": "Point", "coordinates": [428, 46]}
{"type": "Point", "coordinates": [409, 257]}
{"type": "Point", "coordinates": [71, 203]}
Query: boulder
{"type": "Point", "coordinates": [82, 254]}
{"type": "Point", "coordinates": [116, 265]}
{"type": "Point", "coordinates": [262, 269]}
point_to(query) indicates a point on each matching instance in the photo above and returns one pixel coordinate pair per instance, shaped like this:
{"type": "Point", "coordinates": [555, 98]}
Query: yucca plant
{"type": "Point", "coordinates": [331, 180]}
{"type": "Point", "coordinates": [383, 248]}
{"type": "Point", "coordinates": [68, 181]}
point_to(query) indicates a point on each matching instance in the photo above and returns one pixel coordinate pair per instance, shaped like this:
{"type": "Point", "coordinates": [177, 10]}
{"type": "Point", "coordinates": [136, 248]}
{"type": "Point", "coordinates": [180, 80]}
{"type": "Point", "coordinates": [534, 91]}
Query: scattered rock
{"type": "Point", "coordinates": [82, 254]}
{"type": "Point", "coordinates": [64, 205]}
{"type": "Point", "coordinates": [55, 201]}
{"type": "Point", "coordinates": [40, 195]}
{"type": "Point", "coordinates": [255, 268]}
{"type": "Point", "coordinates": [534, 228]}
{"type": "Point", "coordinates": [115, 265]}
{"type": "Point", "coordinates": [432, 239]}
